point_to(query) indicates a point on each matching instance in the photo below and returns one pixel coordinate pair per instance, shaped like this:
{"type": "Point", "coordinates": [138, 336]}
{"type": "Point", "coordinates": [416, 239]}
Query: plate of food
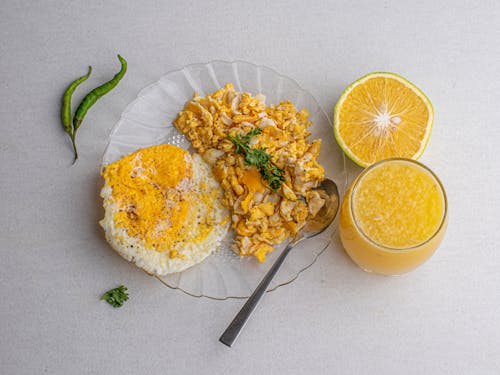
{"type": "Point", "coordinates": [209, 172]}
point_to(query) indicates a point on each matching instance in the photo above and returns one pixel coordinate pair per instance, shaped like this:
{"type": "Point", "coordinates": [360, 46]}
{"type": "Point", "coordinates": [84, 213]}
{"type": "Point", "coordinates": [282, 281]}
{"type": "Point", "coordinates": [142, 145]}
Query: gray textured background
{"type": "Point", "coordinates": [441, 319]}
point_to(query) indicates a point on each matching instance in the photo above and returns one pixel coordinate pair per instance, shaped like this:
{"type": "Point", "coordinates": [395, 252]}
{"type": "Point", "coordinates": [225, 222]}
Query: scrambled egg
{"type": "Point", "coordinates": [260, 217]}
{"type": "Point", "coordinates": [163, 209]}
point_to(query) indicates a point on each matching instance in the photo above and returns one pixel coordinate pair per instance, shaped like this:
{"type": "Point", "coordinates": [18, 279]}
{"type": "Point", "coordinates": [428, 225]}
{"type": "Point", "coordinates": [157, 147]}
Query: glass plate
{"type": "Point", "coordinates": [148, 120]}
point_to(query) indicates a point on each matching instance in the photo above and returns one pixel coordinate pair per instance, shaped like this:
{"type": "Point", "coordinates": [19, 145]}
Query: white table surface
{"type": "Point", "coordinates": [443, 318]}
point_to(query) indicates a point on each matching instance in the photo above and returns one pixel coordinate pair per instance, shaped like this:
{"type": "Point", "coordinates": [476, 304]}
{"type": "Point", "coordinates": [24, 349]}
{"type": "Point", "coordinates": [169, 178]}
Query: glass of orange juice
{"type": "Point", "coordinates": [393, 217]}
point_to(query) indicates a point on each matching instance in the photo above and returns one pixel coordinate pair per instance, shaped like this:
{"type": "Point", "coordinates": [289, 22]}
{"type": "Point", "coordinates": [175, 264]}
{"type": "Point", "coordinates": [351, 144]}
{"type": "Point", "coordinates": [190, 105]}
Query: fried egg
{"type": "Point", "coordinates": [163, 209]}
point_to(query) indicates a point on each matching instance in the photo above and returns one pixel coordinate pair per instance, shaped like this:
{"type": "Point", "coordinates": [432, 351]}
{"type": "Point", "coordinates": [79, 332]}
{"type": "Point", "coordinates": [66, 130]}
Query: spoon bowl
{"type": "Point", "coordinates": [317, 224]}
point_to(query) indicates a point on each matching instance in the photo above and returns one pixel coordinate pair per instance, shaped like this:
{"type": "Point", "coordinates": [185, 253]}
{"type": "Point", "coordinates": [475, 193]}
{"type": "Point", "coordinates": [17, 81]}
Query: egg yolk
{"type": "Point", "coordinates": [151, 189]}
{"type": "Point", "coordinates": [251, 178]}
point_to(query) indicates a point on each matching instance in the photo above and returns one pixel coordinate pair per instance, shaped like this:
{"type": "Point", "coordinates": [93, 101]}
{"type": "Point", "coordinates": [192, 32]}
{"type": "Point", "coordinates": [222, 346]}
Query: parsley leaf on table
{"type": "Point", "coordinates": [115, 297]}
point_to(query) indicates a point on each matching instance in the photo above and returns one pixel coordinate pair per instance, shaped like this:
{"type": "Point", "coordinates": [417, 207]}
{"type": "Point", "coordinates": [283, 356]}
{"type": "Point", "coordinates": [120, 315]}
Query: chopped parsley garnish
{"type": "Point", "coordinates": [115, 297]}
{"type": "Point", "coordinates": [259, 158]}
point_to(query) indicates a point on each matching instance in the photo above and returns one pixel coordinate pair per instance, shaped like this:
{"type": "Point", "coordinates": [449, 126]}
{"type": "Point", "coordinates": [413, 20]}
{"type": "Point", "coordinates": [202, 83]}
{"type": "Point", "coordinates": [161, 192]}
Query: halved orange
{"type": "Point", "coordinates": [381, 116]}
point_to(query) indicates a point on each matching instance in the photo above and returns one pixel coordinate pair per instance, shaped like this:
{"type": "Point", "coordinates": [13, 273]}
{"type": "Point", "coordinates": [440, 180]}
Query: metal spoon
{"type": "Point", "coordinates": [314, 226]}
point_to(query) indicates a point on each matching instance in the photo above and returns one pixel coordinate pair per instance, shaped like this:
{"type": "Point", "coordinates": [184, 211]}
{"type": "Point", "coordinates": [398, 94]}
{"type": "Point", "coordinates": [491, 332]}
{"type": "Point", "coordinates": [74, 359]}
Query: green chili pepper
{"type": "Point", "coordinates": [95, 94]}
{"type": "Point", "coordinates": [66, 108]}
{"type": "Point", "coordinates": [70, 127]}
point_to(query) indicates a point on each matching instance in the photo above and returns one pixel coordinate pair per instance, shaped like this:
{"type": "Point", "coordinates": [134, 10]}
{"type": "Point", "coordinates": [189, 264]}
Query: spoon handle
{"type": "Point", "coordinates": [233, 330]}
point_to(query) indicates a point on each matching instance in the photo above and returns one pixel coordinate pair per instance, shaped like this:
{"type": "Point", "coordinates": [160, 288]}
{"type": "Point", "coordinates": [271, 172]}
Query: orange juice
{"type": "Point", "coordinates": [393, 216]}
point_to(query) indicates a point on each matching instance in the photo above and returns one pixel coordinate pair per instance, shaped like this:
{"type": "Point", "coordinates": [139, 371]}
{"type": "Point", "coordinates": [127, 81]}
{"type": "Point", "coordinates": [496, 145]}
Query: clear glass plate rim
{"type": "Point", "coordinates": [326, 246]}
{"type": "Point", "coordinates": [257, 66]}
